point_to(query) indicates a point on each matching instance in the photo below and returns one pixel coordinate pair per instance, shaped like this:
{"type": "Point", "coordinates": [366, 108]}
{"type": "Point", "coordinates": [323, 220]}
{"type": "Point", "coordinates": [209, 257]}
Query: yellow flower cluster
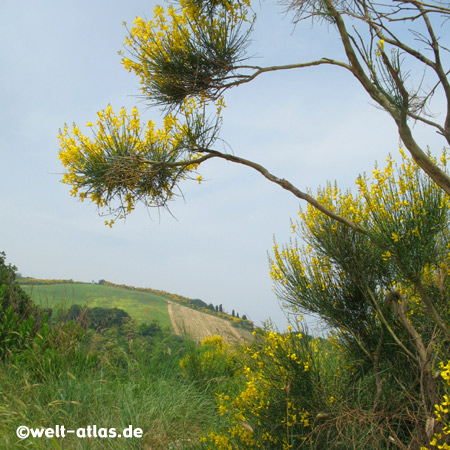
{"type": "Point", "coordinates": [117, 160]}
{"type": "Point", "coordinates": [212, 360]}
{"type": "Point", "coordinates": [181, 56]}
{"type": "Point", "coordinates": [441, 414]}
{"type": "Point", "coordinates": [216, 341]}
{"type": "Point", "coordinates": [386, 192]}
{"type": "Point", "coordinates": [182, 40]}
{"type": "Point", "coordinates": [269, 411]}
{"type": "Point", "coordinates": [401, 211]}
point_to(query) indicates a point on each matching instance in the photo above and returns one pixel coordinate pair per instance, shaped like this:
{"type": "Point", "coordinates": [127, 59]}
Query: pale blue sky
{"type": "Point", "coordinates": [60, 64]}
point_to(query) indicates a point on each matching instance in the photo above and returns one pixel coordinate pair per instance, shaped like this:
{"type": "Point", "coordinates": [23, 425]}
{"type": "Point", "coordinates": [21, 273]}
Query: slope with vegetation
{"type": "Point", "coordinates": [198, 326]}
{"type": "Point", "coordinates": [142, 304]}
{"type": "Point", "coordinates": [56, 371]}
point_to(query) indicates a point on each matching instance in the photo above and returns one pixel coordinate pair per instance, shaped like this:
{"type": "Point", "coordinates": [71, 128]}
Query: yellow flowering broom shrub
{"type": "Point", "coordinates": [127, 161]}
{"type": "Point", "coordinates": [189, 51]}
{"type": "Point", "coordinates": [441, 437]}
{"type": "Point", "coordinates": [385, 290]}
{"type": "Point", "coordinates": [280, 398]}
{"type": "Point", "coordinates": [210, 363]}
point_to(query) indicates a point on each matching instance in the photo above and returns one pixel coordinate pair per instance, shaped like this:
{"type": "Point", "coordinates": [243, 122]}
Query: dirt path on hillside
{"type": "Point", "coordinates": [172, 319]}
{"type": "Point", "coordinates": [198, 325]}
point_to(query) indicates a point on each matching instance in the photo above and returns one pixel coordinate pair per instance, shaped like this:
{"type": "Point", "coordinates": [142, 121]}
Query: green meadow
{"type": "Point", "coordinates": [141, 306]}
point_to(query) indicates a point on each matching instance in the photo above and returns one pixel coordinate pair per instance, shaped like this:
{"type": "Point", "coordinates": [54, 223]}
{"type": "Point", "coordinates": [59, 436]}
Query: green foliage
{"type": "Point", "coordinates": [189, 52]}
{"type": "Point", "coordinates": [384, 293]}
{"type": "Point", "coordinates": [12, 294]}
{"type": "Point", "coordinates": [441, 436]}
{"type": "Point", "coordinates": [282, 393]}
{"type": "Point", "coordinates": [18, 316]}
{"type": "Point", "coordinates": [209, 363]}
{"type": "Point", "coordinates": [40, 281]}
{"type": "Point", "coordinates": [98, 318]}
{"type": "Point", "coordinates": [151, 329]}
{"type": "Point", "coordinates": [14, 333]}
{"type": "Point", "coordinates": [54, 351]}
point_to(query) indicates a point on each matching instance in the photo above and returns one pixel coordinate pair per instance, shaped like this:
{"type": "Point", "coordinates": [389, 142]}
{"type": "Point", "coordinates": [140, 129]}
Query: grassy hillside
{"type": "Point", "coordinates": [142, 306]}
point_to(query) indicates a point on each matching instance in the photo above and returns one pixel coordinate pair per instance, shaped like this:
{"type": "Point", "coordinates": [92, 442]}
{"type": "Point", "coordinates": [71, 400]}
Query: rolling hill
{"type": "Point", "coordinates": [182, 315]}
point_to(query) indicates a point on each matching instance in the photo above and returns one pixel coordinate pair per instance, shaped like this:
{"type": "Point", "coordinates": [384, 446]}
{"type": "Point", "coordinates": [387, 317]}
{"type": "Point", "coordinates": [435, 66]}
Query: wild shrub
{"type": "Point", "coordinates": [11, 294]}
{"type": "Point", "coordinates": [209, 363]}
{"type": "Point", "coordinates": [384, 292]}
{"type": "Point", "coordinates": [14, 333]}
{"type": "Point", "coordinates": [281, 396]}
{"type": "Point", "coordinates": [19, 318]}
{"type": "Point", "coordinates": [55, 351]}
{"type": "Point", "coordinates": [441, 435]}
{"type": "Point", "coordinates": [150, 329]}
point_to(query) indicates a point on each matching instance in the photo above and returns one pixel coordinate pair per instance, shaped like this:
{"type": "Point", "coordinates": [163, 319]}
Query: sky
{"type": "Point", "coordinates": [60, 65]}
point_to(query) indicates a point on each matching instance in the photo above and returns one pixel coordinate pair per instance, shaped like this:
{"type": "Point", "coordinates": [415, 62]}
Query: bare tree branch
{"type": "Point", "coordinates": [274, 179]}
{"type": "Point", "coordinates": [261, 70]}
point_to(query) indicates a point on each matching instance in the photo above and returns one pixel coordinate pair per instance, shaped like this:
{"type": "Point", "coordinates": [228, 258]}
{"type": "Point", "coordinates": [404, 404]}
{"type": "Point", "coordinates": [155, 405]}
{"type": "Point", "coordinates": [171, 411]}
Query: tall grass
{"type": "Point", "coordinates": [66, 376]}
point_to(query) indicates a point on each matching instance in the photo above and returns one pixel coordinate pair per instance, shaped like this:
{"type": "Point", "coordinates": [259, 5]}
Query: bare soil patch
{"type": "Point", "coordinates": [198, 325]}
